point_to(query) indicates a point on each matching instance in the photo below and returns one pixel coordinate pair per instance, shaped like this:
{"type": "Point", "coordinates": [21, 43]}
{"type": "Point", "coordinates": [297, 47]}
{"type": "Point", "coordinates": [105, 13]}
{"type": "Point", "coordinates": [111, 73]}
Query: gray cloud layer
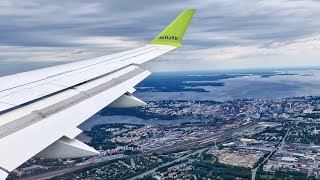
{"type": "Point", "coordinates": [223, 34]}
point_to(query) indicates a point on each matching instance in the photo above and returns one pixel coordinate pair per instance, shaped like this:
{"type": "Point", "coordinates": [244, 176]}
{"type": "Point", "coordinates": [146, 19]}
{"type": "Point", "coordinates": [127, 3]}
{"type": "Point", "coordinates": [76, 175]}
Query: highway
{"type": "Point", "coordinates": [167, 164]}
{"type": "Point", "coordinates": [277, 147]}
{"type": "Point", "coordinates": [198, 143]}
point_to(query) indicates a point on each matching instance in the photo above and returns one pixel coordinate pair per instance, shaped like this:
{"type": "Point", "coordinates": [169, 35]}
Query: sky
{"type": "Point", "coordinates": [223, 35]}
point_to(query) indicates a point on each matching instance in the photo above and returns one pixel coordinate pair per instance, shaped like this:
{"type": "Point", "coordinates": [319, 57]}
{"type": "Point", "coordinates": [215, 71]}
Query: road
{"type": "Point", "coordinates": [55, 173]}
{"type": "Point", "coordinates": [202, 142]}
{"type": "Point", "coordinates": [277, 147]}
{"type": "Point", "coordinates": [167, 164]}
{"type": "Point", "coordinates": [199, 143]}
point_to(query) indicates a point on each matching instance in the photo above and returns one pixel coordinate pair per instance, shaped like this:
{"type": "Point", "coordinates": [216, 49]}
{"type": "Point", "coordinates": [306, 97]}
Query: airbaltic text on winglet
{"type": "Point", "coordinates": [169, 37]}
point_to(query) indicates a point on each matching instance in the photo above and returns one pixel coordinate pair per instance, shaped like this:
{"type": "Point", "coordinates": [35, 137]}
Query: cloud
{"type": "Point", "coordinates": [223, 34]}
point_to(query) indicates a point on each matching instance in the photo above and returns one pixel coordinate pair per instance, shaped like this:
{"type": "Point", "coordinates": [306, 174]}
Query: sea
{"type": "Point", "coordinates": [218, 86]}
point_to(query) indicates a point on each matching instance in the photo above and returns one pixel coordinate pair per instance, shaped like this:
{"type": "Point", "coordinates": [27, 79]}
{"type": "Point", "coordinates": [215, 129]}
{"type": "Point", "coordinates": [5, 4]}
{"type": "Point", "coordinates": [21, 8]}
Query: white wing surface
{"type": "Point", "coordinates": [40, 111]}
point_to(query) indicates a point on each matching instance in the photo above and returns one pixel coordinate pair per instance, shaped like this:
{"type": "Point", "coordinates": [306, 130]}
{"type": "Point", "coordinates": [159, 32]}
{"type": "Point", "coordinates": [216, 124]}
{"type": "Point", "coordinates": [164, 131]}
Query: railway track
{"type": "Point", "coordinates": [195, 144]}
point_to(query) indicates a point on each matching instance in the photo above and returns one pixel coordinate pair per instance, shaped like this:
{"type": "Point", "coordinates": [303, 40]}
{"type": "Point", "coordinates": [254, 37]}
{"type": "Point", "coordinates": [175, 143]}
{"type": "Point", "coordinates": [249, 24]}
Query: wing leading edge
{"type": "Point", "coordinates": [40, 111]}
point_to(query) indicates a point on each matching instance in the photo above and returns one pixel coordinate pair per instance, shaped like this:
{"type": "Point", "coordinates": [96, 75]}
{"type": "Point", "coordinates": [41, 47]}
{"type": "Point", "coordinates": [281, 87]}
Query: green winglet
{"type": "Point", "coordinates": [172, 35]}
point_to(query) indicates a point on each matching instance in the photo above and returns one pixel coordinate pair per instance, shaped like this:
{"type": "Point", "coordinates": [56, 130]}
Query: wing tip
{"type": "Point", "coordinates": [173, 34]}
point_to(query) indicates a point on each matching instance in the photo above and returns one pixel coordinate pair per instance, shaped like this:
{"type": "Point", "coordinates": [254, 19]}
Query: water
{"type": "Point", "coordinates": [296, 83]}
{"type": "Point", "coordinates": [97, 119]}
{"type": "Point", "coordinates": [274, 87]}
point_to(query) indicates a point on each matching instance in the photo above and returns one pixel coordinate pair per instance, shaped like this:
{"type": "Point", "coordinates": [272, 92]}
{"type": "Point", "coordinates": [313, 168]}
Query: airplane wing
{"type": "Point", "coordinates": [40, 110]}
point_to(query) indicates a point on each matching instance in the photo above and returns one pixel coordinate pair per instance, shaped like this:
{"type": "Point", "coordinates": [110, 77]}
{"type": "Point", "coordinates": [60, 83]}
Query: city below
{"type": "Point", "coordinates": [238, 139]}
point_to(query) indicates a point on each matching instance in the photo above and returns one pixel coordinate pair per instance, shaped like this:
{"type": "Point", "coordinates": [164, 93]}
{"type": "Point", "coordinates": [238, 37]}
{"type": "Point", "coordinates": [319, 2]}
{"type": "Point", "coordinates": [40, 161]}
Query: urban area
{"type": "Point", "coordinates": [239, 139]}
